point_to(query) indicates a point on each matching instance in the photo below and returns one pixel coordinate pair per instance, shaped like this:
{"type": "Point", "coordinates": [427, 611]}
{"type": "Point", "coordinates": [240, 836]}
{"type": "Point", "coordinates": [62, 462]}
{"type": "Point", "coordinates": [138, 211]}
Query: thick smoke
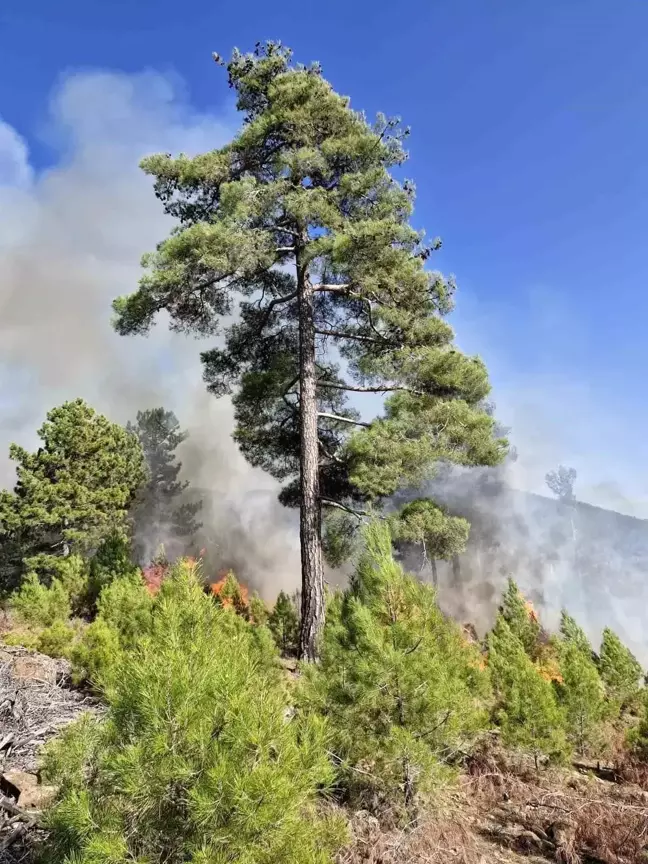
{"type": "Point", "coordinates": [71, 238]}
{"type": "Point", "coordinates": [589, 560]}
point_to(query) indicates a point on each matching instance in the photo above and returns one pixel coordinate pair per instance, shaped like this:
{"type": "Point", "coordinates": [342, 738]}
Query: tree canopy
{"type": "Point", "coordinates": [161, 514]}
{"type": "Point", "coordinates": [300, 219]}
{"type": "Point", "coordinates": [75, 491]}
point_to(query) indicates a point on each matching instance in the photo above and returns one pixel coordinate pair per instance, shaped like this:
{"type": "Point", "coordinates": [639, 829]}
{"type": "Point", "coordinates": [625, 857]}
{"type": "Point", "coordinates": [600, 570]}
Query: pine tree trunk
{"type": "Point", "coordinates": [312, 605]}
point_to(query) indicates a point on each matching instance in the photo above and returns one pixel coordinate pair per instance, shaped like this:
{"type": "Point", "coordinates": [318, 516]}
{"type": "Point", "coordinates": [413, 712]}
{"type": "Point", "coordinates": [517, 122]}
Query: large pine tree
{"type": "Point", "coordinates": [300, 218]}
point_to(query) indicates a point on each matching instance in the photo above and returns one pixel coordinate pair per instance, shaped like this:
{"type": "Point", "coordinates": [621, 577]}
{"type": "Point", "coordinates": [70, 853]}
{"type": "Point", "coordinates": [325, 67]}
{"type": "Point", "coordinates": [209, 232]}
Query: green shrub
{"type": "Point", "coordinates": [24, 637]}
{"type": "Point", "coordinates": [196, 760]}
{"type": "Point", "coordinates": [398, 683]}
{"type": "Point", "coordinates": [40, 606]}
{"type": "Point", "coordinates": [283, 622]}
{"type": "Point", "coordinates": [581, 694]}
{"type": "Point", "coordinates": [125, 605]}
{"type": "Point", "coordinates": [56, 640]}
{"type": "Point", "coordinates": [526, 708]}
{"type": "Point", "coordinates": [111, 561]}
{"type": "Point", "coordinates": [73, 574]}
{"type": "Point", "coordinates": [620, 670]}
{"type": "Point", "coordinates": [95, 655]}
{"type": "Point", "coordinates": [518, 615]}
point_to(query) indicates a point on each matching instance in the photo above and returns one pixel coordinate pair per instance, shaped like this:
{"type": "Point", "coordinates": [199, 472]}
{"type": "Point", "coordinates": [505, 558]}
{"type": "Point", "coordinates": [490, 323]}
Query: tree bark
{"type": "Point", "coordinates": [312, 601]}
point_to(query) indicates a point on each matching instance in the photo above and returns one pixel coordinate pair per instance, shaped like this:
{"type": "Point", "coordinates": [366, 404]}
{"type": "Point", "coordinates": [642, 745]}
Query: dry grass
{"type": "Point", "coordinates": [438, 840]}
{"type": "Point", "coordinates": [563, 816]}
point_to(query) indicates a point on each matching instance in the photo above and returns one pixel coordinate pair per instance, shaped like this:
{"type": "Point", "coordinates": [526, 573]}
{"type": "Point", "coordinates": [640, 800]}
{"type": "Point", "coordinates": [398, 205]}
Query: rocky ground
{"type": "Point", "coordinates": [36, 701]}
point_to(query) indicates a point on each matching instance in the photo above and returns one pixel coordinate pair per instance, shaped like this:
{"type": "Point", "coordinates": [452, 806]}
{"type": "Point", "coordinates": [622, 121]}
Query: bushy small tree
{"type": "Point", "coordinates": [56, 640]}
{"type": "Point", "coordinates": [397, 681]}
{"type": "Point", "coordinates": [581, 694]}
{"type": "Point", "coordinates": [259, 613]}
{"type": "Point", "coordinates": [111, 561]}
{"type": "Point", "coordinates": [40, 606]}
{"type": "Point", "coordinates": [96, 654]}
{"type": "Point", "coordinates": [162, 512]}
{"type": "Point", "coordinates": [526, 708]}
{"type": "Point", "coordinates": [74, 491]}
{"type": "Point", "coordinates": [284, 624]}
{"type": "Point", "coordinates": [126, 605]}
{"type": "Point", "coordinates": [571, 632]}
{"type": "Point", "coordinates": [520, 618]}
{"type": "Point", "coordinates": [196, 760]}
{"type": "Point", "coordinates": [620, 670]}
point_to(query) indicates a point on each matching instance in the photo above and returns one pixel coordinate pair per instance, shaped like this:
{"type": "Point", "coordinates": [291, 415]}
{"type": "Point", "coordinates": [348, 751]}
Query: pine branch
{"type": "Point", "coordinates": [359, 514]}
{"type": "Point", "coordinates": [353, 389]}
{"type": "Point", "coordinates": [337, 417]}
{"type": "Point", "coordinates": [358, 337]}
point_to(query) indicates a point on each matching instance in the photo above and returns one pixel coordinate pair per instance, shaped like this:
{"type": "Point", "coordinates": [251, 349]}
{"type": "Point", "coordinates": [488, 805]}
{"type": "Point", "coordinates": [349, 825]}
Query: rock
{"type": "Point", "coordinates": [37, 797]}
{"type": "Point", "coordinates": [26, 790]}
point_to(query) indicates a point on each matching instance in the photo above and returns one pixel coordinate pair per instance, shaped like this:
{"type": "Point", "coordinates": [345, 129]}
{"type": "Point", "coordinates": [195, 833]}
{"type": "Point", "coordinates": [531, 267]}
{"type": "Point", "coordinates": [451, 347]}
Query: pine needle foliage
{"type": "Point", "coordinates": [581, 694]}
{"type": "Point", "coordinates": [399, 685]}
{"type": "Point", "coordinates": [620, 670]}
{"type": "Point", "coordinates": [75, 490]}
{"type": "Point", "coordinates": [572, 633]}
{"type": "Point", "coordinates": [521, 619]}
{"type": "Point", "coordinates": [284, 624]}
{"type": "Point", "coordinates": [162, 512]}
{"type": "Point", "coordinates": [299, 222]}
{"type": "Point", "coordinates": [196, 761]}
{"type": "Point", "coordinates": [526, 709]}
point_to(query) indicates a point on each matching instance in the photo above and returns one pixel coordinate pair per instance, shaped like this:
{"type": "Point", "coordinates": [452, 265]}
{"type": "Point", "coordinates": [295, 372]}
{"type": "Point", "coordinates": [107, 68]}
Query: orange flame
{"type": "Point", "coordinates": [531, 612]}
{"type": "Point", "coordinates": [217, 589]}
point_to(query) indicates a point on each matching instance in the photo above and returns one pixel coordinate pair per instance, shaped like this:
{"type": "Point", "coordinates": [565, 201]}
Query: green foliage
{"type": "Point", "coordinates": [619, 669]}
{"type": "Point", "coordinates": [40, 606]}
{"type": "Point", "coordinates": [258, 610]}
{"type": "Point", "coordinates": [162, 513]}
{"type": "Point", "coordinates": [196, 760]}
{"type": "Point", "coordinates": [526, 709]}
{"type": "Point", "coordinates": [573, 634]}
{"type": "Point", "coordinates": [284, 624]}
{"type": "Point", "coordinates": [124, 610]}
{"type": "Point", "coordinates": [96, 655]}
{"type": "Point", "coordinates": [637, 736]}
{"type": "Point", "coordinates": [75, 490]}
{"type": "Point", "coordinates": [56, 640]}
{"type": "Point", "coordinates": [111, 561]}
{"type": "Point", "coordinates": [581, 692]}
{"type": "Point", "coordinates": [302, 204]}
{"type": "Point", "coordinates": [72, 572]}
{"type": "Point", "coordinates": [523, 623]}
{"type": "Point", "coordinates": [126, 606]}
{"type": "Point", "coordinates": [423, 522]}
{"type": "Point", "coordinates": [398, 683]}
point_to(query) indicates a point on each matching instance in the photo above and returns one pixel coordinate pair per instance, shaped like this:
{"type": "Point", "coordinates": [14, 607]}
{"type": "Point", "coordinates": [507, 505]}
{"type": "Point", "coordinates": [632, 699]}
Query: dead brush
{"type": "Point", "coordinates": [444, 839]}
{"type": "Point", "coordinates": [569, 820]}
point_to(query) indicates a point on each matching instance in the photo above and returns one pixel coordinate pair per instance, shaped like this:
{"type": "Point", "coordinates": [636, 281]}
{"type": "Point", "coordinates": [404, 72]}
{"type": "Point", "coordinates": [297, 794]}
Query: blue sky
{"type": "Point", "coordinates": [528, 149]}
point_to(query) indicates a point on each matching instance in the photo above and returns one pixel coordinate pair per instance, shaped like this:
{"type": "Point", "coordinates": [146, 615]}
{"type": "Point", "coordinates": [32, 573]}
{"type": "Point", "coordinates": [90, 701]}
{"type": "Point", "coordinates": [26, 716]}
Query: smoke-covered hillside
{"type": "Point", "coordinates": [591, 560]}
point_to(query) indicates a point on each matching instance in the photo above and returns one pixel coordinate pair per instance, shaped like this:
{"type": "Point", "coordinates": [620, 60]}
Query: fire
{"type": "Point", "coordinates": [531, 612]}
{"type": "Point", "coordinates": [229, 592]}
{"type": "Point", "coordinates": [153, 576]}
{"type": "Point", "coordinates": [155, 573]}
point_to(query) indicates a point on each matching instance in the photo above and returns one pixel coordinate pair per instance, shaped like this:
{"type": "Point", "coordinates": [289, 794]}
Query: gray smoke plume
{"type": "Point", "coordinates": [589, 560]}
{"type": "Point", "coordinates": [71, 238]}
